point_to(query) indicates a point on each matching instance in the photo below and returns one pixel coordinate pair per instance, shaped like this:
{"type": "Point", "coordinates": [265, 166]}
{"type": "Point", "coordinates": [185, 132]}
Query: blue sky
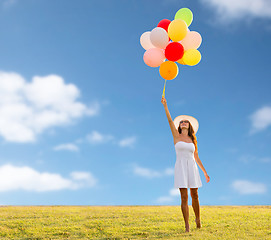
{"type": "Point", "coordinates": [81, 118]}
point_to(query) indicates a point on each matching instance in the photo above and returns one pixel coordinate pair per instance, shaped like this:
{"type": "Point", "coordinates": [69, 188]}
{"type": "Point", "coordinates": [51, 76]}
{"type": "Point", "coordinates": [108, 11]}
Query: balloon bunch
{"type": "Point", "coordinates": [174, 42]}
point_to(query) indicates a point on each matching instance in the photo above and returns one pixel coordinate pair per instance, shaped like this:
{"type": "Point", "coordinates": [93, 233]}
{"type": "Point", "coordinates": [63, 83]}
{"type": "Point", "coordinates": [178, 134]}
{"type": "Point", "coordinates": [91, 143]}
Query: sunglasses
{"type": "Point", "coordinates": [184, 121]}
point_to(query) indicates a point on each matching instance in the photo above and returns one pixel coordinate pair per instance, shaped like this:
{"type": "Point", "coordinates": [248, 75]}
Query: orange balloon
{"type": "Point", "coordinates": [168, 70]}
{"type": "Point", "coordinates": [181, 61]}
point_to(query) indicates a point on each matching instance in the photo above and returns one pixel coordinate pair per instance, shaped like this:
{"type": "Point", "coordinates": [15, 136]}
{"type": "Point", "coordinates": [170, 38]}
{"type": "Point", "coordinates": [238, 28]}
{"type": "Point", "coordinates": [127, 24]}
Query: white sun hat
{"type": "Point", "coordinates": [194, 122]}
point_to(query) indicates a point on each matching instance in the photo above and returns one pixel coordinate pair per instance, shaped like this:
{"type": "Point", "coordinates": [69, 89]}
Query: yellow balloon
{"type": "Point", "coordinates": [191, 57]}
{"type": "Point", "coordinates": [168, 70]}
{"type": "Point", "coordinates": [177, 30]}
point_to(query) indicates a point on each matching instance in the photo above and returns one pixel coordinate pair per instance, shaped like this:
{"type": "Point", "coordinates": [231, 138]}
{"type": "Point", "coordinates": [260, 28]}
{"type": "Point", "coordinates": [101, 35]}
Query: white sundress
{"type": "Point", "coordinates": [186, 173]}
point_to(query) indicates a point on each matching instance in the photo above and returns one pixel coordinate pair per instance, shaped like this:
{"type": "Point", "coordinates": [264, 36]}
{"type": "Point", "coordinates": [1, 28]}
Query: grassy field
{"type": "Point", "coordinates": [133, 222]}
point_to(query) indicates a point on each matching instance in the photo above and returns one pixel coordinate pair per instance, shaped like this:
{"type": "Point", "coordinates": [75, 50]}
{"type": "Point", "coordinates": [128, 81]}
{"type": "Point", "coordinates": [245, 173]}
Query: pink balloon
{"type": "Point", "coordinates": [192, 40]}
{"type": "Point", "coordinates": [154, 57]}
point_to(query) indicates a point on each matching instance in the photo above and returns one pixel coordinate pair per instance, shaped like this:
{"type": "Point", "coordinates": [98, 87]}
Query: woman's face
{"type": "Point", "coordinates": [184, 124]}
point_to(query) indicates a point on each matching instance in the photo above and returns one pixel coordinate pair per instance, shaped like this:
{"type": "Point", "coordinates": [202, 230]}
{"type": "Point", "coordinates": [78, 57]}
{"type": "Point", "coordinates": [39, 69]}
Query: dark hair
{"type": "Point", "coordinates": [191, 134]}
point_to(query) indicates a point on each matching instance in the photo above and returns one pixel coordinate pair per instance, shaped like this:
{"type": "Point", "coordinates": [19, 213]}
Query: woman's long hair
{"type": "Point", "coordinates": [191, 134]}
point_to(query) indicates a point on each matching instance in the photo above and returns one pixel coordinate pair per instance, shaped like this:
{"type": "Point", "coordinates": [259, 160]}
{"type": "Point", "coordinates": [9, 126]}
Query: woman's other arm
{"type": "Point", "coordinates": [196, 156]}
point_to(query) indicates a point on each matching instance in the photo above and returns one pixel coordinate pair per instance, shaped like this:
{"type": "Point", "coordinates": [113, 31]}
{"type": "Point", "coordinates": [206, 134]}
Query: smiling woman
{"type": "Point", "coordinates": [186, 174]}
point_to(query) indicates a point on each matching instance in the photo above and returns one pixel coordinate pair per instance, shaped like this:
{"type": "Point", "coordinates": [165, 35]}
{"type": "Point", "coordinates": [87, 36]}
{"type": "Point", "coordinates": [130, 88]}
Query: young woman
{"type": "Point", "coordinates": [186, 173]}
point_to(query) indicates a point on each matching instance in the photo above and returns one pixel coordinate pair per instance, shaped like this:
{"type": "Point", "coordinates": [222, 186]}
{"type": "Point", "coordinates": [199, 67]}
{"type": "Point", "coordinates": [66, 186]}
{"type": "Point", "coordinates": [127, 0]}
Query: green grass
{"type": "Point", "coordinates": [133, 222]}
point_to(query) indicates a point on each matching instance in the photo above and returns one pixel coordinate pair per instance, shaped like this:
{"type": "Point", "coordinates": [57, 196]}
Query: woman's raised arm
{"type": "Point", "coordinates": [171, 123]}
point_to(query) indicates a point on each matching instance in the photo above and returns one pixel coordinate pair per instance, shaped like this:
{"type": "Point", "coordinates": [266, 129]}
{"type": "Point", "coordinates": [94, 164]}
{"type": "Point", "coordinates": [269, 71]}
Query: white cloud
{"type": "Point", "coordinates": [8, 3]}
{"type": "Point", "coordinates": [127, 142]}
{"type": "Point", "coordinates": [80, 175]}
{"type": "Point", "coordinates": [261, 119]}
{"type": "Point", "coordinates": [67, 146]}
{"type": "Point", "coordinates": [29, 108]}
{"type": "Point", "coordinates": [149, 173]}
{"type": "Point", "coordinates": [145, 172]}
{"type": "Point", "coordinates": [265, 159]}
{"type": "Point", "coordinates": [26, 178]}
{"type": "Point", "coordinates": [173, 193]}
{"type": "Point", "coordinates": [169, 171]}
{"type": "Point", "coordinates": [164, 199]}
{"type": "Point", "coordinates": [248, 158]}
{"type": "Point", "coordinates": [229, 10]}
{"type": "Point", "coordinates": [98, 138]}
{"type": "Point", "coordinates": [83, 179]}
{"type": "Point", "coordinates": [248, 187]}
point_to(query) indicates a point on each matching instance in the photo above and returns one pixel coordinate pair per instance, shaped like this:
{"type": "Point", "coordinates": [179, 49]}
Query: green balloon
{"type": "Point", "coordinates": [185, 14]}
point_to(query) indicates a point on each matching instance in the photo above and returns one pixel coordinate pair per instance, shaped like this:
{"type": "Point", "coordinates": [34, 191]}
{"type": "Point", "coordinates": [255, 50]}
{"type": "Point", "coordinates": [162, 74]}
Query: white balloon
{"type": "Point", "coordinates": [159, 37]}
{"type": "Point", "coordinates": [145, 41]}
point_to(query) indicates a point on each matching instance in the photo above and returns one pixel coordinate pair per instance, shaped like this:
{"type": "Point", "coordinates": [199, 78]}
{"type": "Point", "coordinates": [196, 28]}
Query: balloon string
{"type": "Point", "coordinates": [164, 88]}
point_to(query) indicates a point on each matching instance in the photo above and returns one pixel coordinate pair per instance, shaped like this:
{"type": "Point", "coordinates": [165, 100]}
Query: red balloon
{"type": "Point", "coordinates": [164, 24]}
{"type": "Point", "coordinates": [174, 51]}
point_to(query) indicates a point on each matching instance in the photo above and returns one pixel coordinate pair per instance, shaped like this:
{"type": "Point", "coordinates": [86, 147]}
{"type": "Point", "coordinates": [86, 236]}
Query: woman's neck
{"type": "Point", "coordinates": [184, 132]}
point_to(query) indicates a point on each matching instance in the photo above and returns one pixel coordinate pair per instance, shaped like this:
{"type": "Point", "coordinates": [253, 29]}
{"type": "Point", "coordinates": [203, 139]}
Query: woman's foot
{"type": "Point", "coordinates": [198, 223]}
{"type": "Point", "coordinates": [187, 228]}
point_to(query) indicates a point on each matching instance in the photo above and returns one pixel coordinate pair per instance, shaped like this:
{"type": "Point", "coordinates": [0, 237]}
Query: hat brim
{"type": "Point", "coordinates": [194, 122]}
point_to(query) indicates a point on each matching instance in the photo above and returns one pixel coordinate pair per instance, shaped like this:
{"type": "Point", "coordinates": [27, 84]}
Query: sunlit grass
{"type": "Point", "coordinates": [133, 222]}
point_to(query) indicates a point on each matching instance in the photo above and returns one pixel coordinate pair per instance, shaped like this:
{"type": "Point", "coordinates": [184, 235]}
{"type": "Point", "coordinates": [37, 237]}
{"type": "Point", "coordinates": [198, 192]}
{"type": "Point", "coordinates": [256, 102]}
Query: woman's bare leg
{"type": "Point", "coordinates": [195, 205]}
{"type": "Point", "coordinates": [184, 206]}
